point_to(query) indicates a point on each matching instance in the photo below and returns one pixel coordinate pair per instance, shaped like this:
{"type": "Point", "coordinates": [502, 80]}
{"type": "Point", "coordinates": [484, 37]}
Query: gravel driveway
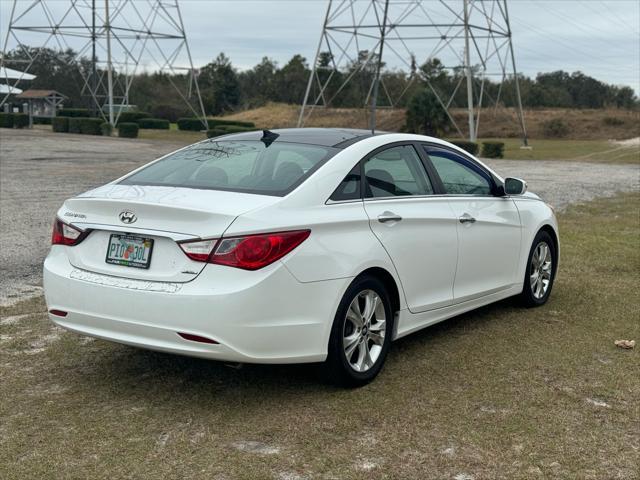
{"type": "Point", "coordinates": [39, 170]}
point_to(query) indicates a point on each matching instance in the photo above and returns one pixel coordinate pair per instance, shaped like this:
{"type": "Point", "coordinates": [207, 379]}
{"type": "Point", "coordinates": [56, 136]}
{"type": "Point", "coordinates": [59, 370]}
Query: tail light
{"type": "Point", "coordinates": [199, 250]}
{"type": "Point", "coordinates": [250, 252]}
{"type": "Point", "coordinates": [65, 234]}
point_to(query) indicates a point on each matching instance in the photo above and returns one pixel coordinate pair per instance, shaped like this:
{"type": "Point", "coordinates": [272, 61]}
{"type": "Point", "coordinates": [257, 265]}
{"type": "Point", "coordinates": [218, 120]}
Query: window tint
{"type": "Point", "coordinates": [457, 174]}
{"type": "Point", "coordinates": [349, 189]}
{"type": "Point", "coordinates": [396, 171]}
{"type": "Point", "coordinates": [239, 166]}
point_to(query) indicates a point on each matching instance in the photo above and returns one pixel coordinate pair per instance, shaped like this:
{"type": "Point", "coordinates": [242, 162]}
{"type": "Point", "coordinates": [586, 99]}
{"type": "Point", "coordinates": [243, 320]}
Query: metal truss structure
{"type": "Point", "coordinates": [471, 37]}
{"type": "Point", "coordinates": [120, 37]}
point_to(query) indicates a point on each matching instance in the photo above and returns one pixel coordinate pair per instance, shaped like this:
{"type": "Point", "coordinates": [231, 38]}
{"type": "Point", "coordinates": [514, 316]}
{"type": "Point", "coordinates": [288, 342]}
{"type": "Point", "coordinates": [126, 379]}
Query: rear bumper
{"type": "Point", "coordinates": [266, 316]}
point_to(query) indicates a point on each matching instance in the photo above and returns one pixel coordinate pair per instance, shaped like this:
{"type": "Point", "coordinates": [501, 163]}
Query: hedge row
{"type": "Point", "coordinates": [471, 147]}
{"type": "Point", "coordinates": [131, 117]}
{"type": "Point", "coordinates": [42, 120]}
{"type": "Point", "coordinates": [74, 112]}
{"type": "Point", "coordinates": [128, 130]}
{"type": "Point", "coordinates": [153, 123]}
{"type": "Point", "coordinates": [60, 124]}
{"type": "Point", "coordinates": [226, 129]}
{"type": "Point", "coordinates": [85, 126]}
{"type": "Point", "coordinates": [492, 149]}
{"type": "Point", "coordinates": [14, 120]}
{"type": "Point", "coordinates": [195, 124]}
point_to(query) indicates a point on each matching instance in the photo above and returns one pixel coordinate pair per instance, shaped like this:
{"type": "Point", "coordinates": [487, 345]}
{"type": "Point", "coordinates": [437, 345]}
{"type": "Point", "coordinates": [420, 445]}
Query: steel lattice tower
{"type": "Point", "coordinates": [120, 36]}
{"type": "Point", "coordinates": [471, 37]}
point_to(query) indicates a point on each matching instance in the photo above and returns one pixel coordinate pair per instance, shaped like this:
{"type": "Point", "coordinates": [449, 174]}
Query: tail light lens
{"type": "Point", "coordinates": [65, 234]}
{"type": "Point", "coordinates": [250, 252]}
{"type": "Point", "coordinates": [199, 250]}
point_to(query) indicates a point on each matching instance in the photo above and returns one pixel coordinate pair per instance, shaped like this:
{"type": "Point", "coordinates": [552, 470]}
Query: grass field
{"type": "Point", "coordinates": [497, 393]}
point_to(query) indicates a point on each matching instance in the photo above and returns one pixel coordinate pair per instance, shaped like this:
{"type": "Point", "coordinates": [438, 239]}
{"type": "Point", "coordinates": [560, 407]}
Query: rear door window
{"type": "Point", "coordinates": [395, 172]}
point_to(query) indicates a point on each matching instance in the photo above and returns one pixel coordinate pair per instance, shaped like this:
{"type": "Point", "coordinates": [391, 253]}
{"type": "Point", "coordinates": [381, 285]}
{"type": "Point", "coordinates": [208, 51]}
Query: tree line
{"type": "Point", "coordinates": [225, 88]}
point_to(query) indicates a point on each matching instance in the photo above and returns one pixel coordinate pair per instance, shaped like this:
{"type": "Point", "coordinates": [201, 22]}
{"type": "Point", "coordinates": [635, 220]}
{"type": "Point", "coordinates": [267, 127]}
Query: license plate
{"type": "Point", "coordinates": [129, 250]}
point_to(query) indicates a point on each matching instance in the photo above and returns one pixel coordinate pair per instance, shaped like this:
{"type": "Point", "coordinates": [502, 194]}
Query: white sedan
{"type": "Point", "coordinates": [300, 245]}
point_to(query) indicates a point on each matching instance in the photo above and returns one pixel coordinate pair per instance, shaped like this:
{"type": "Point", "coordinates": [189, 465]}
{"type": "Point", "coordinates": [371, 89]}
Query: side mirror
{"type": "Point", "coordinates": [514, 186]}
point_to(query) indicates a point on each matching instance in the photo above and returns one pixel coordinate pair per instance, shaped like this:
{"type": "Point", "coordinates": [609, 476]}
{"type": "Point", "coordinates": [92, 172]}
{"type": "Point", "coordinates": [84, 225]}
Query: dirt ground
{"type": "Point", "coordinates": [582, 124]}
{"type": "Point", "coordinates": [40, 169]}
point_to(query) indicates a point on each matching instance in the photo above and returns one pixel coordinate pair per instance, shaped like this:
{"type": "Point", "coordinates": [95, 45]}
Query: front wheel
{"type": "Point", "coordinates": [361, 333]}
{"type": "Point", "coordinates": [540, 272]}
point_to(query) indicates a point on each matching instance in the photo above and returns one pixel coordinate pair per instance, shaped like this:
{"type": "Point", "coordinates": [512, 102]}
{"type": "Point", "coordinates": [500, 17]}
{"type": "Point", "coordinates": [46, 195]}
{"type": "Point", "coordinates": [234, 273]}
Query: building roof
{"type": "Point", "coordinates": [4, 89]}
{"type": "Point", "coordinates": [39, 94]}
{"type": "Point", "coordinates": [11, 74]}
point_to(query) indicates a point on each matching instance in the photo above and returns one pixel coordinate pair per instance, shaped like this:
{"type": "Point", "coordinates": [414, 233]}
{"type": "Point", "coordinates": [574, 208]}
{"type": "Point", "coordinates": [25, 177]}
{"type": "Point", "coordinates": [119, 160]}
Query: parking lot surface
{"type": "Point", "coordinates": [40, 169]}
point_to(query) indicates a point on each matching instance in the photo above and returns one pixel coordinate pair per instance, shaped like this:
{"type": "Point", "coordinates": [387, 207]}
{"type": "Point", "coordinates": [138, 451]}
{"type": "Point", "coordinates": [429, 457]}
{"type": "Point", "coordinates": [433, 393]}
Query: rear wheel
{"type": "Point", "coordinates": [361, 333]}
{"type": "Point", "coordinates": [540, 272]}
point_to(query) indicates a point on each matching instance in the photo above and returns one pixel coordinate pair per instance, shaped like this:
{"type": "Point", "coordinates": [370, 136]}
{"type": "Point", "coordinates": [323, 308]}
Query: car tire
{"type": "Point", "coordinates": [535, 292]}
{"type": "Point", "coordinates": [354, 366]}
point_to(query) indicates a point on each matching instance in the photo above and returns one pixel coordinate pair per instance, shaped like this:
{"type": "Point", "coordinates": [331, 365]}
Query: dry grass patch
{"type": "Point", "coordinates": [501, 392]}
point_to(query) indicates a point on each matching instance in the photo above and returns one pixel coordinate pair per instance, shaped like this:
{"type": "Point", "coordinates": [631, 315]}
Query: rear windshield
{"type": "Point", "coordinates": [236, 166]}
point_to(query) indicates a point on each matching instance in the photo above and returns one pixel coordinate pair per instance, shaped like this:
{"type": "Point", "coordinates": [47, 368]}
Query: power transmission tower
{"type": "Point", "coordinates": [122, 38]}
{"type": "Point", "coordinates": [472, 38]}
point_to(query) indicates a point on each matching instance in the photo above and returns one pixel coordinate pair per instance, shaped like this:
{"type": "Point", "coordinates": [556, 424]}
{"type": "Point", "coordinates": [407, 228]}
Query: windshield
{"type": "Point", "coordinates": [237, 166]}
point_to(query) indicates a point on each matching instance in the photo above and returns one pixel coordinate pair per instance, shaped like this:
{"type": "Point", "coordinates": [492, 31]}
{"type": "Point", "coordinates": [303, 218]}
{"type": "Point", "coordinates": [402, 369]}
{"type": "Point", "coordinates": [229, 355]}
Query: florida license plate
{"type": "Point", "coordinates": [129, 250]}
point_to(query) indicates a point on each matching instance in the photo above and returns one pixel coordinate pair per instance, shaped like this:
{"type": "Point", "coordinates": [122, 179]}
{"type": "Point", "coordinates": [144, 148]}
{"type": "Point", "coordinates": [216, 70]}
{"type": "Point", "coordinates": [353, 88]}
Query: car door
{"type": "Point", "coordinates": [416, 228]}
{"type": "Point", "coordinates": [489, 228]}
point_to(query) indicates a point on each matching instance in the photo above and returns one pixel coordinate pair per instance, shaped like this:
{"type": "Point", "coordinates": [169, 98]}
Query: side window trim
{"type": "Point", "coordinates": [466, 161]}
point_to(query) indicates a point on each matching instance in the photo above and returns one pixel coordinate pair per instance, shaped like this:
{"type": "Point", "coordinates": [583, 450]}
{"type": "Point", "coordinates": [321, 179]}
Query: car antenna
{"type": "Point", "coordinates": [268, 137]}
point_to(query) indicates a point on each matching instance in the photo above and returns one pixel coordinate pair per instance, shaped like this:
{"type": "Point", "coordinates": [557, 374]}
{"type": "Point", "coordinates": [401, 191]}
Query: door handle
{"type": "Point", "coordinates": [389, 217]}
{"type": "Point", "coordinates": [466, 218]}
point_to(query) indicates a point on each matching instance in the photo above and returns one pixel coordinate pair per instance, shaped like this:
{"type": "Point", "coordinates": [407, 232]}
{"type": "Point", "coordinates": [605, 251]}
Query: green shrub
{"type": "Point", "coordinates": [492, 149]}
{"type": "Point", "coordinates": [555, 128]}
{"type": "Point", "coordinates": [613, 121]}
{"type": "Point", "coordinates": [471, 147]}
{"type": "Point", "coordinates": [60, 124]}
{"type": "Point", "coordinates": [425, 115]}
{"type": "Point", "coordinates": [153, 123]}
{"type": "Point", "coordinates": [216, 122]}
{"type": "Point", "coordinates": [131, 117]}
{"type": "Point", "coordinates": [235, 128]}
{"type": "Point", "coordinates": [190, 124]}
{"type": "Point", "coordinates": [195, 124]}
{"type": "Point", "coordinates": [42, 120]}
{"type": "Point", "coordinates": [74, 124]}
{"type": "Point", "coordinates": [6, 120]}
{"type": "Point", "coordinates": [106, 129]}
{"type": "Point", "coordinates": [74, 112]}
{"type": "Point", "coordinates": [215, 132]}
{"type": "Point", "coordinates": [128, 130]}
{"type": "Point", "coordinates": [20, 120]}
{"type": "Point", "coordinates": [90, 126]}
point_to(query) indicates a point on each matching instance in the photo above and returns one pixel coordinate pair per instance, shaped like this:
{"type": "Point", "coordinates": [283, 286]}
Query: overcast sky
{"type": "Point", "coordinates": [600, 38]}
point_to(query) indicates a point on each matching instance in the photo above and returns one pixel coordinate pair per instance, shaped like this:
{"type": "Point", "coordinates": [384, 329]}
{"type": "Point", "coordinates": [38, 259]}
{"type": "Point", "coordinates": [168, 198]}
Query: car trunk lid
{"type": "Point", "coordinates": [165, 215]}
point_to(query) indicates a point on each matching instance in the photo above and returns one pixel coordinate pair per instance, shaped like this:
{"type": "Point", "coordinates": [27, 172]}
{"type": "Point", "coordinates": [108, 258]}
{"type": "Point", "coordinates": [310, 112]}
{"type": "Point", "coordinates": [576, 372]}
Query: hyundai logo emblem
{"type": "Point", "coordinates": [127, 217]}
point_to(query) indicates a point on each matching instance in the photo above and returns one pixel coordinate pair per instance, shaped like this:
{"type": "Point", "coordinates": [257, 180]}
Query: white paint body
{"type": "Point", "coordinates": [283, 313]}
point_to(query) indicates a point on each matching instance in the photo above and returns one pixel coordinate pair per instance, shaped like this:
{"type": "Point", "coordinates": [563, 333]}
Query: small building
{"type": "Point", "coordinates": [41, 103]}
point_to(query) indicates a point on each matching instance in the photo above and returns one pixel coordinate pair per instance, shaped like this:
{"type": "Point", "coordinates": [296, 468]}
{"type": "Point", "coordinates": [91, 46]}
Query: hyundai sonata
{"type": "Point", "coordinates": [300, 245]}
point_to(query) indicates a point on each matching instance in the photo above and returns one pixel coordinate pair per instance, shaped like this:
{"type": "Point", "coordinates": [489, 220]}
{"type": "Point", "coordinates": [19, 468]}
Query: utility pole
{"type": "Point", "coordinates": [428, 29]}
{"type": "Point", "coordinates": [94, 60]}
{"type": "Point", "coordinates": [132, 33]}
{"type": "Point", "coordinates": [376, 84]}
{"type": "Point", "coordinates": [525, 140]}
{"type": "Point", "coordinates": [109, 64]}
{"type": "Point", "coordinates": [467, 68]}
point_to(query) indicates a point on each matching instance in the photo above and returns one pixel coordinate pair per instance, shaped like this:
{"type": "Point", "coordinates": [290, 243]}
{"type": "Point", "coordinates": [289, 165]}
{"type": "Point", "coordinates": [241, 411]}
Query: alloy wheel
{"type": "Point", "coordinates": [540, 270]}
{"type": "Point", "coordinates": [364, 331]}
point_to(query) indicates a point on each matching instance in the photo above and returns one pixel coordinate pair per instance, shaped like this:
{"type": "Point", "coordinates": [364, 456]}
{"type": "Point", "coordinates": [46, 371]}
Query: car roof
{"type": "Point", "coordinates": [326, 137]}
